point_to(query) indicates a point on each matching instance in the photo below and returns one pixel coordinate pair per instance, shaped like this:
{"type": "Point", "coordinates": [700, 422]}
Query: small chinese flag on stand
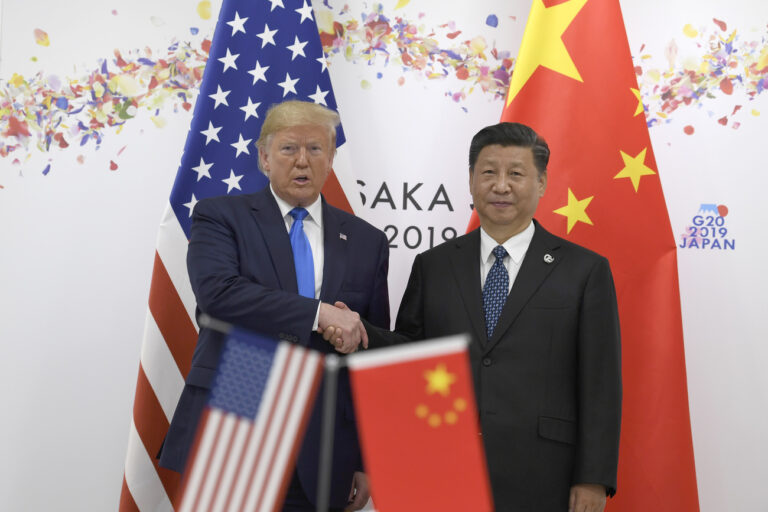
{"type": "Point", "coordinates": [419, 427]}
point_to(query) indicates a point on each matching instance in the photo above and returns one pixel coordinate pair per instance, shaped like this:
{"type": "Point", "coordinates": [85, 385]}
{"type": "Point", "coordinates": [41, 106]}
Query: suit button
{"type": "Point", "coordinates": [487, 361]}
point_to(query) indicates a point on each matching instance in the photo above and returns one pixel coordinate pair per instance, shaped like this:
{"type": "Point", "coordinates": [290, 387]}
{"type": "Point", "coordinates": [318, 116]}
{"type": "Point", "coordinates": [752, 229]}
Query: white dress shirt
{"type": "Point", "coordinates": [313, 228]}
{"type": "Point", "coordinates": [516, 248]}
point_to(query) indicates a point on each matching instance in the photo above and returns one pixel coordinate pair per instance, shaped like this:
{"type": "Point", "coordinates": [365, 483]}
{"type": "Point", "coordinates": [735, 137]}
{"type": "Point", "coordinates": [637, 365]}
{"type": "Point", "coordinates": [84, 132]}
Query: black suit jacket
{"type": "Point", "coordinates": [241, 269]}
{"type": "Point", "coordinates": [548, 383]}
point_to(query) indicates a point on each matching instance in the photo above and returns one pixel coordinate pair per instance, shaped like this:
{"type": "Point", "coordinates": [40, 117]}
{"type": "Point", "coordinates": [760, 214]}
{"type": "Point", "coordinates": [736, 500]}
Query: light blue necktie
{"type": "Point", "coordinates": [302, 254]}
{"type": "Point", "coordinates": [495, 290]}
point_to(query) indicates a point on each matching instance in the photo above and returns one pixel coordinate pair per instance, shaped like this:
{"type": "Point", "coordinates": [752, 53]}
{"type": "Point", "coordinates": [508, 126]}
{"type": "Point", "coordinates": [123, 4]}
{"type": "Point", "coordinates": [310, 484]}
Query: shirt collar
{"type": "Point", "coordinates": [314, 210]}
{"type": "Point", "coordinates": [515, 246]}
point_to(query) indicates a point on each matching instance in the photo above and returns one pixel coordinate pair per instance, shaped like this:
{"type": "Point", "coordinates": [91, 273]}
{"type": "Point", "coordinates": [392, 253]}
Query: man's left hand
{"type": "Point", "coordinates": [358, 496]}
{"type": "Point", "coordinates": [587, 498]}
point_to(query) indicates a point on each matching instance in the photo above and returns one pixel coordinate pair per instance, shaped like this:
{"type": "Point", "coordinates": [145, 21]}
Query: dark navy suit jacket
{"type": "Point", "coordinates": [548, 382]}
{"type": "Point", "coordinates": [241, 269]}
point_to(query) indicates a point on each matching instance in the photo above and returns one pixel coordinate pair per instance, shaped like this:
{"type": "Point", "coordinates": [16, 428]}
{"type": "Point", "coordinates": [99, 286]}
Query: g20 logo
{"type": "Point", "coordinates": [708, 229]}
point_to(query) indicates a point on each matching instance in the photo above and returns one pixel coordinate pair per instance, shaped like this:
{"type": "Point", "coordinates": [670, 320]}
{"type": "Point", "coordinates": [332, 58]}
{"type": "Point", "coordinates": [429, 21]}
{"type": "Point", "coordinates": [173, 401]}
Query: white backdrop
{"type": "Point", "coordinates": [77, 243]}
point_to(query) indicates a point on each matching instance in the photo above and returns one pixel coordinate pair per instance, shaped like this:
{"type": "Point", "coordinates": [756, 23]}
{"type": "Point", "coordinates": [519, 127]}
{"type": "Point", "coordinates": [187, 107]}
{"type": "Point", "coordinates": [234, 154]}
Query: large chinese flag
{"type": "Point", "coordinates": [574, 83]}
{"type": "Point", "coordinates": [419, 427]}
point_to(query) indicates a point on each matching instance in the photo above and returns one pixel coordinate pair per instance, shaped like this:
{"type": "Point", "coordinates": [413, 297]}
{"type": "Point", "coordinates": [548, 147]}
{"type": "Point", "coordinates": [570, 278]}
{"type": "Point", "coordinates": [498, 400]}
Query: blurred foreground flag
{"type": "Point", "coordinates": [252, 428]}
{"type": "Point", "coordinates": [575, 84]}
{"type": "Point", "coordinates": [419, 428]}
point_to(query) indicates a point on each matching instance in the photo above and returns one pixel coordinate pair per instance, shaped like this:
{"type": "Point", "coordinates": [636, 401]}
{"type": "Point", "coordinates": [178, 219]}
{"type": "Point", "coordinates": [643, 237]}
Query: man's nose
{"type": "Point", "coordinates": [301, 158]}
{"type": "Point", "coordinates": [501, 183]}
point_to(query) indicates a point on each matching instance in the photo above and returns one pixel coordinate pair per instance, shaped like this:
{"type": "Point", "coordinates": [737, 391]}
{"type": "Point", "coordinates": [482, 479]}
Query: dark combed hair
{"type": "Point", "coordinates": [510, 134]}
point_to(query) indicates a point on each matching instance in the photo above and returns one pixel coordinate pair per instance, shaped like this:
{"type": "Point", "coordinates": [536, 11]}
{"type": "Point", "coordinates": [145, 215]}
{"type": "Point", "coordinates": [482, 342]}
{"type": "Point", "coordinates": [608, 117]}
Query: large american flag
{"type": "Point", "coordinates": [262, 52]}
{"type": "Point", "coordinates": [251, 429]}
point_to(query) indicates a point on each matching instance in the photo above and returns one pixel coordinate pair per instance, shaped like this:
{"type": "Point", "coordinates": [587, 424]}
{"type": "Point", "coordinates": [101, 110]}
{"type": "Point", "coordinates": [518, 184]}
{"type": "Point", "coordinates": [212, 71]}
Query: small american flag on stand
{"type": "Point", "coordinates": [252, 428]}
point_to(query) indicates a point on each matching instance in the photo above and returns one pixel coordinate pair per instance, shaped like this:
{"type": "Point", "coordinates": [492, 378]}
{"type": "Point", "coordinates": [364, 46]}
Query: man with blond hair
{"type": "Point", "coordinates": [274, 262]}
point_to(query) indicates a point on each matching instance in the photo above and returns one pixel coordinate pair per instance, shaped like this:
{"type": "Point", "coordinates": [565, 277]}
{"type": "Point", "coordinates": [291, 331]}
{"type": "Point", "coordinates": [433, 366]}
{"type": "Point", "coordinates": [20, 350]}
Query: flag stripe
{"type": "Point", "coordinates": [220, 449]}
{"type": "Point", "coordinates": [286, 430]}
{"type": "Point", "coordinates": [311, 378]}
{"type": "Point", "coordinates": [230, 436]}
{"type": "Point", "coordinates": [210, 421]}
{"type": "Point", "coordinates": [317, 376]}
{"type": "Point", "coordinates": [410, 352]}
{"type": "Point", "coordinates": [160, 368]}
{"type": "Point", "coordinates": [142, 478]}
{"type": "Point", "coordinates": [172, 248]}
{"type": "Point", "coordinates": [171, 317]}
{"type": "Point", "coordinates": [234, 457]}
{"type": "Point", "coordinates": [255, 442]}
{"type": "Point", "coordinates": [233, 496]}
{"type": "Point", "coordinates": [126, 500]}
{"type": "Point", "coordinates": [274, 425]}
{"type": "Point", "coordinates": [152, 429]}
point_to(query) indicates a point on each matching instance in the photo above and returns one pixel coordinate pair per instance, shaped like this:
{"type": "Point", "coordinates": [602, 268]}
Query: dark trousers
{"type": "Point", "coordinates": [296, 499]}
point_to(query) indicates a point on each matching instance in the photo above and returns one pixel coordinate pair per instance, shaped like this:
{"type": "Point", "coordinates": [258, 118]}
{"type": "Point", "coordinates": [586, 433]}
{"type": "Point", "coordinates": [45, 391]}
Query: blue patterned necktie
{"type": "Point", "coordinates": [302, 254]}
{"type": "Point", "coordinates": [495, 290]}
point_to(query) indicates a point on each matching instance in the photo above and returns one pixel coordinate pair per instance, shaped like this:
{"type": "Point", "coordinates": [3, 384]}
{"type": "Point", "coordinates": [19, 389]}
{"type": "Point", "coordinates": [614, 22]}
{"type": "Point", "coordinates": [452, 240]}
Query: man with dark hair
{"type": "Point", "coordinates": [542, 314]}
{"type": "Point", "coordinates": [274, 262]}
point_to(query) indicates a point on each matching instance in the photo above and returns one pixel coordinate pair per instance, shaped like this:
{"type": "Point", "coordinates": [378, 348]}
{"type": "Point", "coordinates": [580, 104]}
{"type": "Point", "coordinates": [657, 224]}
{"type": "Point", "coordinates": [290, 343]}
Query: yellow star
{"type": "Point", "coordinates": [439, 380]}
{"type": "Point", "coordinates": [634, 168]}
{"type": "Point", "coordinates": [543, 45]}
{"type": "Point", "coordinates": [640, 109]}
{"type": "Point", "coordinates": [575, 210]}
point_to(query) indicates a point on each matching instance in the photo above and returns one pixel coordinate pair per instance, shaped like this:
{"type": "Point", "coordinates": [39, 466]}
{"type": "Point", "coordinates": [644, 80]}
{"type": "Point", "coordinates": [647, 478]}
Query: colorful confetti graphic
{"type": "Point", "coordinates": [730, 65]}
{"type": "Point", "coordinates": [412, 46]}
{"type": "Point", "coordinates": [45, 111]}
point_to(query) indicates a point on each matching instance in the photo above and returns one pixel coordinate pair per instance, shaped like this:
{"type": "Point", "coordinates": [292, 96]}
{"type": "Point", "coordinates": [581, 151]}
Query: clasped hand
{"type": "Point", "coordinates": [342, 327]}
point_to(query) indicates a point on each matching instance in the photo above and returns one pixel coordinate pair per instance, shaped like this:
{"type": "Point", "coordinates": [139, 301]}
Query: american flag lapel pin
{"type": "Point", "coordinates": [342, 236]}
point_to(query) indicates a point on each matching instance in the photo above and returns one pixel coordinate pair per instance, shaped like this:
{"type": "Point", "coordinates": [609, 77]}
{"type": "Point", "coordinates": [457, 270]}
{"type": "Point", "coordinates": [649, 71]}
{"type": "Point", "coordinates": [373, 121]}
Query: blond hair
{"type": "Point", "coordinates": [296, 113]}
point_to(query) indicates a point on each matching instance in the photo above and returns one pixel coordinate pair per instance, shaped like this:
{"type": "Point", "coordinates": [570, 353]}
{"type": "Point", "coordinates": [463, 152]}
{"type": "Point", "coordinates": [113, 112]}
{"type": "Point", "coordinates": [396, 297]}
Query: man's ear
{"type": "Point", "coordinates": [263, 161]}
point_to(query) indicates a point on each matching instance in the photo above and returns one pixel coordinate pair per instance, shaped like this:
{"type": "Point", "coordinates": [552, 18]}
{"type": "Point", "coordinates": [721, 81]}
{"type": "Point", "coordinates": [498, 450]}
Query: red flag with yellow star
{"type": "Point", "coordinates": [574, 83]}
{"type": "Point", "coordinates": [419, 427]}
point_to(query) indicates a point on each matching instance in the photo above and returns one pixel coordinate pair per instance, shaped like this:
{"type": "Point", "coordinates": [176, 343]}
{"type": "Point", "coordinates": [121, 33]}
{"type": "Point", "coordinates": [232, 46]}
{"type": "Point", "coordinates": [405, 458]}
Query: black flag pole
{"type": "Point", "coordinates": [332, 364]}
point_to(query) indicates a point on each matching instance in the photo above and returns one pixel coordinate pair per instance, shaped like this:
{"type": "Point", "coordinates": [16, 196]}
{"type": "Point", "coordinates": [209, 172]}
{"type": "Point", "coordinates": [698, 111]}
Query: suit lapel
{"type": "Point", "coordinates": [533, 271]}
{"type": "Point", "coordinates": [335, 258]}
{"type": "Point", "coordinates": [272, 227]}
{"type": "Point", "coordinates": [465, 262]}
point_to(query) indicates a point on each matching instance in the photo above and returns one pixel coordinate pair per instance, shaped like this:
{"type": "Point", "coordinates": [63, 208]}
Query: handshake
{"type": "Point", "coordinates": [342, 327]}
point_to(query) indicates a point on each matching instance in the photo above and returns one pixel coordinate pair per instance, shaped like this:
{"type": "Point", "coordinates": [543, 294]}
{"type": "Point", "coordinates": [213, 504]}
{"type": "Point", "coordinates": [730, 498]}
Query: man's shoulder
{"type": "Point", "coordinates": [567, 246]}
{"type": "Point", "coordinates": [352, 222]}
{"type": "Point", "coordinates": [229, 203]}
{"type": "Point", "coordinates": [443, 250]}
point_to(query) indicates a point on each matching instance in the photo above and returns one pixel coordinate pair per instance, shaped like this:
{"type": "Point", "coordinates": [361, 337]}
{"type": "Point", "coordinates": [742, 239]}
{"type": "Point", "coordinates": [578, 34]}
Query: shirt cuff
{"type": "Point", "coordinates": [317, 317]}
